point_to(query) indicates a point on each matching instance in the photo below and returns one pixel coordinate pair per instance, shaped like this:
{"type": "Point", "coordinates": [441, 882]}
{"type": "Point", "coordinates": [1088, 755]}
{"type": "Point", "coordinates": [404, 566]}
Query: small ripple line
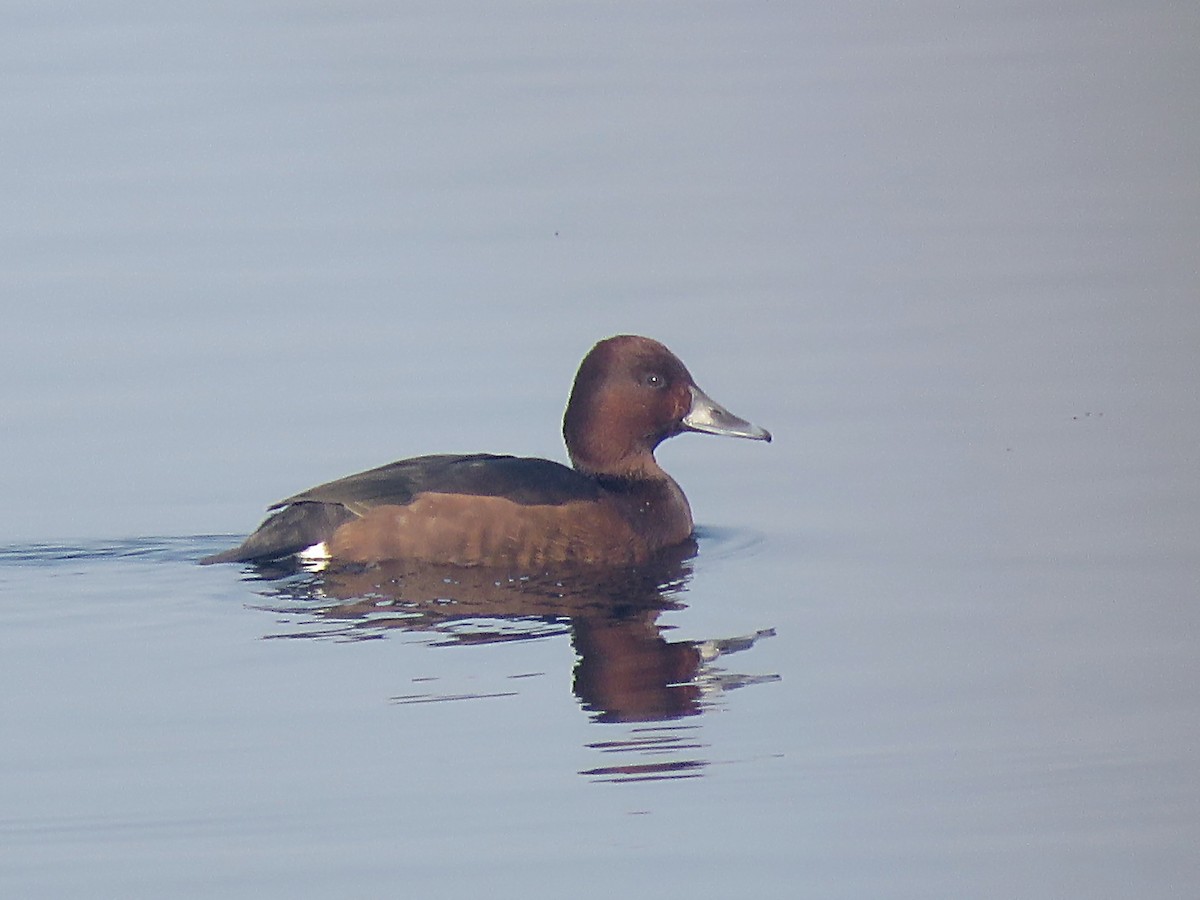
{"type": "Point", "coordinates": [171, 549]}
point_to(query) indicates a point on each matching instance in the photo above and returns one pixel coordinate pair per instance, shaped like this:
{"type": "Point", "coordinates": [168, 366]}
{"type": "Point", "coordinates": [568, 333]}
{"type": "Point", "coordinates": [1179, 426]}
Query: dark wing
{"type": "Point", "coordinates": [312, 516]}
{"type": "Point", "coordinates": [531, 482]}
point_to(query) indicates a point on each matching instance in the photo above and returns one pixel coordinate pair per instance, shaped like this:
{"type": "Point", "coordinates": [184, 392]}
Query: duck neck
{"type": "Point", "coordinates": [631, 467]}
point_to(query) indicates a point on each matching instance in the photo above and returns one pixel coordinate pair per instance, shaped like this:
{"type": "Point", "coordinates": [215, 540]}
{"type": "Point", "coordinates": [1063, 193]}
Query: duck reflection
{"type": "Point", "coordinates": [626, 669]}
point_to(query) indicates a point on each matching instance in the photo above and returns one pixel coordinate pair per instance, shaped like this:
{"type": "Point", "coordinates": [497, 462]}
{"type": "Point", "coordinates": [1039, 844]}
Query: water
{"type": "Point", "coordinates": [946, 254]}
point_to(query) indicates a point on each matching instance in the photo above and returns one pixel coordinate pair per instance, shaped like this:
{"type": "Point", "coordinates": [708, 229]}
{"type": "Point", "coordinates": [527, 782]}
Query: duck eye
{"type": "Point", "coordinates": [654, 380]}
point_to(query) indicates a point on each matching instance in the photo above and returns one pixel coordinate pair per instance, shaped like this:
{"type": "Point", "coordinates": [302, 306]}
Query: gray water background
{"type": "Point", "coordinates": [947, 253]}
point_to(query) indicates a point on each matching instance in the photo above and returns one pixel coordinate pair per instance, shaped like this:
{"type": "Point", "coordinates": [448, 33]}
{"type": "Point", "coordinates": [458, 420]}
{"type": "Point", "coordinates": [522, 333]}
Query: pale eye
{"type": "Point", "coordinates": [654, 380]}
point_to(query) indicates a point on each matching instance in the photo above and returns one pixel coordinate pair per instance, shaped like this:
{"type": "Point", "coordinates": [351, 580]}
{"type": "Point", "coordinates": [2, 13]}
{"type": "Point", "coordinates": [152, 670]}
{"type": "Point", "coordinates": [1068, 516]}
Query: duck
{"type": "Point", "coordinates": [613, 506]}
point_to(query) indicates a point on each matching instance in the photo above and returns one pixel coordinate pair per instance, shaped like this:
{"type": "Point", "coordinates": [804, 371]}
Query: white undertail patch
{"type": "Point", "coordinates": [314, 558]}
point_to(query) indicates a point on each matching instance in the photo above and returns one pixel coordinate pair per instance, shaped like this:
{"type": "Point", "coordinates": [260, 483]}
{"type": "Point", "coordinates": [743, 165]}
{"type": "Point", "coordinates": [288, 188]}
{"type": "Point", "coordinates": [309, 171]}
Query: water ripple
{"type": "Point", "coordinates": [165, 549]}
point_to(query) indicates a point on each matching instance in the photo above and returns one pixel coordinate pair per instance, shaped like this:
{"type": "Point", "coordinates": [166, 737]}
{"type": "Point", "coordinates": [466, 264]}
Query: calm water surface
{"type": "Point", "coordinates": [938, 640]}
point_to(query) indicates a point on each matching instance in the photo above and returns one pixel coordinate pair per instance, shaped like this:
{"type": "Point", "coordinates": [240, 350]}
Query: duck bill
{"type": "Point", "coordinates": [710, 417]}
